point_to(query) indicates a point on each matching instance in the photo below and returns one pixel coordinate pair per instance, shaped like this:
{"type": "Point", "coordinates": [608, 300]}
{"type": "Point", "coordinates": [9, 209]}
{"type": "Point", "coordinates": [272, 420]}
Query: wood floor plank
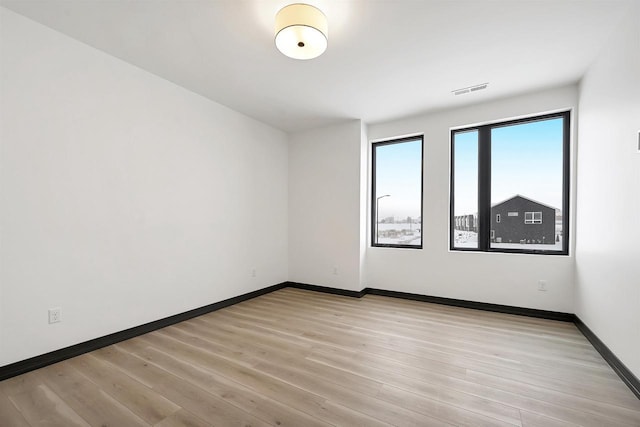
{"type": "Point", "coordinates": [347, 339]}
{"type": "Point", "coordinates": [184, 393]}
{"type": "Point", "coordinates": [274, 389]}
{"type": "Point", "coordinates": [140, 399]}
{"type": "Point", "coordinates": [340, 415]}
{"type": "Point", "coordinates": [281, 352]}
{"type": "Point", "coordinates": [340, 336]}
{"type": "Point", "coordinates": [244, 398]}
{"type": "Point", "coordinates": [460, 327]}
{"type": "Point", "coordinates": [598, 402]}
{"type": "Point", "coordinates": [446, 396]}
{"type": "Point", "coordinates": [183, 418]}
{"type": "Point", "coordinates": [21, 383]}
{"type": "Point", "coordinates": [529, 419]}
{"type": "Point", "coordinates": [373, 407]}
{"type": "Point", "coordinates": [455, 364]}
{"type": "Point", "coordinates": [412, 377]}
{"type": "Point", "coordinates": [248, 377]}
{"type": "Point", "coordinates": [496, 345]}
{"type": "Point", "coordinates": [302, 358]}
{"type": "Point", "coordinates": [88, 400]}
{"type": "Point", "coordinates": [407, 308]}
{"type": "Point", "coordinates": [525, 338]}
{"type": "Point", "coordinates": [615, 387]}
{"type": "Point", "coordinates": [40, 406]}
{"type": "Point", "coordinates": [10, 415]}
{"type": "Point", "coordinates": [454, 414]}
{"type": "Point", "coordinates": [301, 391]}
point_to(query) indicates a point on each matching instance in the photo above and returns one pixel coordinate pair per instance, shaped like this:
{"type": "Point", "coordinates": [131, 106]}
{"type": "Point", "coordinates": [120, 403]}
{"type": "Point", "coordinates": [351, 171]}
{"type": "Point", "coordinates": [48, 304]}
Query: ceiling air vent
{"type": "Point", "coordinates": [464, 90]}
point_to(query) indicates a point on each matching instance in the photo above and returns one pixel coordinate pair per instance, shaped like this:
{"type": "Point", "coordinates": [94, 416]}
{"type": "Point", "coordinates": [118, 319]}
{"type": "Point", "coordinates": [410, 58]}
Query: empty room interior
{"type": "Point", "coordinates": [341, 213]}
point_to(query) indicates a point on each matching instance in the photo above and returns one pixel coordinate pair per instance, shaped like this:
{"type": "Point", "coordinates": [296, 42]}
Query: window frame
{"type": "Point", "coordinates": [484, 184]}
{"type": "Point", "coordinates": [374, 145]}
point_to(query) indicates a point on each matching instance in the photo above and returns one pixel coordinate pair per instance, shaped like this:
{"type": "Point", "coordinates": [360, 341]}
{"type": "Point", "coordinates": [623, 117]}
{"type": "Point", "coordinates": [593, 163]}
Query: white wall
{"type": "Point", "coordinates": [510, 279]}
{"type": "Point", "coordinates": [124, 197]}
{"type": "Point", "coordinates": [325, 206]}
{"type": "Point", "coordinates": [365, 196]}
{"type": "Point", "coordinates": [608, 236]}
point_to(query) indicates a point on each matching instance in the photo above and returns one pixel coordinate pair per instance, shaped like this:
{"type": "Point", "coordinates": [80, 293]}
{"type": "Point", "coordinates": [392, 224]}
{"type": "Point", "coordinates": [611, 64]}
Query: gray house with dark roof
{"type": "Point", "coordinates": [522, 220]}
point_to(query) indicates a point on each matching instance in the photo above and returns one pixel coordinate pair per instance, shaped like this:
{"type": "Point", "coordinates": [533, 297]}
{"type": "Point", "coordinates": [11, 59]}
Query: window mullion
{"type": "Point", "coordinates": [484, 187]}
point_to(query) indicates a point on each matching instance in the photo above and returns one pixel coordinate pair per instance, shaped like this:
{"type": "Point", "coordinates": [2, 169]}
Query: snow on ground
{"type": "Point", "coordinates": [411, 234]}
{"type": "Point", "coordinates": [532, 247]}
{"type": "Point", "coordinates": [463, 239]}
{"type": "Point", "coordinates": [403, 240]}
{"type": "Point", "coordinates": [469, 239]}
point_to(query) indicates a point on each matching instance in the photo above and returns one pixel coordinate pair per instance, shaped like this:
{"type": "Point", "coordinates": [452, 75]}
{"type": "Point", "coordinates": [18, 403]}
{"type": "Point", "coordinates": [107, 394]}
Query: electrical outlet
{"type": "Point", "coordinates": [335, 270]}
{"type": "Point", "coordinates": [542, 285]}
{"type": "Point", "coordinates": [253, 273]}
{"type": "Point", "coordinates": [54, 315]}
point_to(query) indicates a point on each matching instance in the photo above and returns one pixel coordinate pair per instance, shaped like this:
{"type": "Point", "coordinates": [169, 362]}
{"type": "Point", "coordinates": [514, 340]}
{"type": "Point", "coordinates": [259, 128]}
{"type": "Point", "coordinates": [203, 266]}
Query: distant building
{"type": "Point", "coordinates": [467, 222]}
{"type": "Point", "coordinates": [522, 220]}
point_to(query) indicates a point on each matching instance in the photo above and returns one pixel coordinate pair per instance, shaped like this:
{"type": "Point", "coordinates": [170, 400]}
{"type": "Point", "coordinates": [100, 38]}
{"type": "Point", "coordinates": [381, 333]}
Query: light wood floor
{"type": "Point", "coordinates": [299, 358]}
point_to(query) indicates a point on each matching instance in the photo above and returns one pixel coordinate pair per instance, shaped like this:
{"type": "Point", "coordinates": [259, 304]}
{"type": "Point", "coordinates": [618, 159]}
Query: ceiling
{"type": "Point", "coordinates": [385, 59]}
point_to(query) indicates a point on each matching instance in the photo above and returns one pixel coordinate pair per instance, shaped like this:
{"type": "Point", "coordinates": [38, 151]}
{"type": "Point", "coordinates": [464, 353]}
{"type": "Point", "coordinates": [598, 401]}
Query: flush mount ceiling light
{"type": "Point", "coordinates": [301, 31]}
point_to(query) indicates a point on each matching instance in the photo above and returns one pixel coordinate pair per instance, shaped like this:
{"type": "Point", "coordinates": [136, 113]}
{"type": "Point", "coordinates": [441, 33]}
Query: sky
{"type": "Point", "coordinates": [398, 173]}
{"type": "Point", "coordinates": [526, 159]}
{"type": "Point", "coordinates": [466, 173]}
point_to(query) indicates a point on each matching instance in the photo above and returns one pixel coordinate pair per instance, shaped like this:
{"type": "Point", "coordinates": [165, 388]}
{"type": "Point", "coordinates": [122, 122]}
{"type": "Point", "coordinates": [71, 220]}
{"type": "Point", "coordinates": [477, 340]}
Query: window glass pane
{"type": "Point", "coordinates": [465, 179]}
{"type": "Point", "coordinates": [527, 185]}
{"type": "Point", "coordinates": [397, 199]}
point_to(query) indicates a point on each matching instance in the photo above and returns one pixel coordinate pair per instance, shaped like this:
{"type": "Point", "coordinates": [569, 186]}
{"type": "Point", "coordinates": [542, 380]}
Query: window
{"type": "Point", "coordinates": [397, 193]}
{"type": "Point", "coordinates": [533, 217]}
{"type": "Point", "coordinates": [501, 169]}
{"type": "Point", "coordinates": [465, 198]}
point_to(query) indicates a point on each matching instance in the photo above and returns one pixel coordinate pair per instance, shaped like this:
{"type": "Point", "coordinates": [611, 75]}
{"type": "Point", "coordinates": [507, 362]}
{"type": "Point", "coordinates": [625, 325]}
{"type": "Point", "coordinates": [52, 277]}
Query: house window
{"type": "Point", "coordinates": [512, 166]}
{"type": "Point", "coordinates": [533, 217]}
{"type": "Point", "coordinates": [396, 214]}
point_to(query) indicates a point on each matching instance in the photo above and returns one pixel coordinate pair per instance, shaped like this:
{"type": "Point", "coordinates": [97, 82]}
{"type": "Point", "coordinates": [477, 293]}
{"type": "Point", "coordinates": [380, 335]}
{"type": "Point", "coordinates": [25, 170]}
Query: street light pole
{"type": "Point", "coordinates": [377, 200]}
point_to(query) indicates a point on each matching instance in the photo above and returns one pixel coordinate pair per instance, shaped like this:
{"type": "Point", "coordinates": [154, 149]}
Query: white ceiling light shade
{"type": "Point", "coordinates": [301, 31]}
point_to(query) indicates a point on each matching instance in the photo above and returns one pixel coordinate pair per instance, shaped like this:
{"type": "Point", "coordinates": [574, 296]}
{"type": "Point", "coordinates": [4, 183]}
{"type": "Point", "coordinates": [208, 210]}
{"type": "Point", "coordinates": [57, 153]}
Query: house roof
{"type": "Point", "coordinates": [526, 198]}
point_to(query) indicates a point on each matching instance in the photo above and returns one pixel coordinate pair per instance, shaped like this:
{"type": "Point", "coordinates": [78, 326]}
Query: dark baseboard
{"type": "Point", "coordinates": [46, 359]}
{"type": "Point", "coordinates": [508, 309]}
{"type": "Point", "coordinates": [43, 360]}
{"type": "Point", "coordinates": [327, 290]}
{"type": "Point", "coordinates": [616, 364]}
{"type": "Point", "coordinates": [521, 311]}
